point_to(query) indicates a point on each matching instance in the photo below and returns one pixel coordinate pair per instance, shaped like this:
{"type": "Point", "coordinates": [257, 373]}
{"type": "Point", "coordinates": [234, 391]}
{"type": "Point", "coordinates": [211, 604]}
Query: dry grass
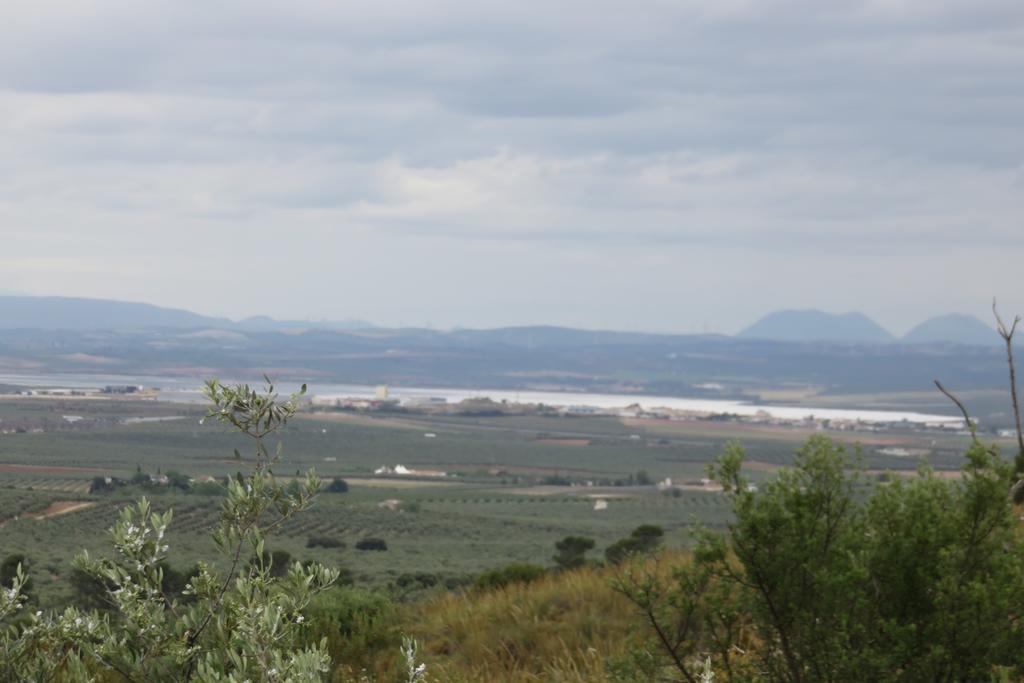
{"type": "Point", "coordinates": [563, 627]}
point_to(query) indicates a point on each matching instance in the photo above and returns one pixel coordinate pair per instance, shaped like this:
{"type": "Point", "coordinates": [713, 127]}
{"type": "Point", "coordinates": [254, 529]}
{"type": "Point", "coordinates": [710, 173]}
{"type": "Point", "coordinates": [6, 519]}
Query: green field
{"type": "Point", "coordinates": [496, 505]}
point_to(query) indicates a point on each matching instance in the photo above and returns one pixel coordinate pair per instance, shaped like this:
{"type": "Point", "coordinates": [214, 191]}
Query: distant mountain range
{"type": "Point", "coordinates": [806, 326]}
{"type": "Point", "coordinates": [856, 328]}
{"type": "Point", "coordinates": [75, 314]}
{"type": "Point", "coordinates": [49, 335]}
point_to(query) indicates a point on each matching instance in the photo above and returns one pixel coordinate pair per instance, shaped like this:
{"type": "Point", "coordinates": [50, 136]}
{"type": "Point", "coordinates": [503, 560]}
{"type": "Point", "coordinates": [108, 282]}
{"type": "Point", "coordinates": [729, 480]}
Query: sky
{"type": "Point", "coordinates": [659, 165]}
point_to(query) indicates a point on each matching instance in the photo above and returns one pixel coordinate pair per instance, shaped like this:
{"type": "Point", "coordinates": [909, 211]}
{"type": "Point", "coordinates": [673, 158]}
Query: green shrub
{"type": "Point", "coordinates": [644, 539]}
{"type": "Point", "coordinates": [513, 573]}
{"type": "Point", "coordinates": [324, 542]}
{"type": "Point", "coordinates": [337, 486]}
{"type": "Point", "coordinates": [378, 544]}
{"type": "Point", "coordinates": [571, 551]}
{"type": "Point", "coordinates": [917, 580]}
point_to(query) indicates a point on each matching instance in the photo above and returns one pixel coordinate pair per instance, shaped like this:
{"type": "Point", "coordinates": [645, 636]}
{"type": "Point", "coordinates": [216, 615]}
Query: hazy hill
{"type": "Point", "coordinates": [954, 328]}
{"type": "Point", "coordinates": [813, 326]}
{"type": "Point", "coordinates": [265, 323]}
{"type": "Point", "coordinates": [68, 313]}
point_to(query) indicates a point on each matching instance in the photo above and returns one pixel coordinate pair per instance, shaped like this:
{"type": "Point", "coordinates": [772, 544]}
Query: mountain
{"type": "Point", "coordinates": [262, 323]}
{"type": "Point", "coordinates": [811, 326]}
{"type": "Point", "coordinates": [954, 328]}
{"type": "Point", "coordinates": [69, 313]}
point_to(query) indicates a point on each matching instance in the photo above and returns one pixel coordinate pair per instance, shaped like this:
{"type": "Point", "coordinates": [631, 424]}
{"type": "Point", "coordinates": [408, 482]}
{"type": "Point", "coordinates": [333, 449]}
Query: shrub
{"type": "Point", "coordinates": [359, 626]}
{"type": "Point", "coordinates": [412, 581]}
{"type": "Point", "coordinates": [571, 551]}
{"type": "Point", "coordinates": [644, 539]}
{"type": "Point", "coordinates": [337, 486]}
{"type": "Point", "coordinates": [324, 542]}
{"type": "Point", "coordinates": [178, 480]}
{"type": "Point", "coordinates": [513, 573]}
{"type": "Point", "coordinates": [372, 544]}
{"type": "Point", "coordinates": [207, 488]}
{"type": "Point", "coordinates": [919, 580]}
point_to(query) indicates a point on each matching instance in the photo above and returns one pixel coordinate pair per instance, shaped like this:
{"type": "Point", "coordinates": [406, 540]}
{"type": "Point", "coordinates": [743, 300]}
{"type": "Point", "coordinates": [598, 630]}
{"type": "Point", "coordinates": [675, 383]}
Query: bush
{"type": "Point", "coordinates": [920, 580]}
{"type": "Point", "coordinates": [178, 480]}
{"type": "Point", "coordinates": [207, 488]}
{"type": "Point", "coordinates": [337, 486]}
{"type": "Point", "coordinates": [372, 544]}
{"type": "Point", "coordinates": [324, 542]}
{"type": "Point", "coordinates": [642, 540]}
{"type": "Point", "coordinates": [412, 581]}
{"type": "Point", "coordinates": [359, 625]}
{"type": "Point", "coordinates": [571, 551]}
{"type": "Point", "coordinates": [514, 573]}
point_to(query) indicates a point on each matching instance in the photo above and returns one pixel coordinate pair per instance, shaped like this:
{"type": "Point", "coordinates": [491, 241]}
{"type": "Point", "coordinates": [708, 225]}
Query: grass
{"type": "Point", "coordinates": [566, 626]}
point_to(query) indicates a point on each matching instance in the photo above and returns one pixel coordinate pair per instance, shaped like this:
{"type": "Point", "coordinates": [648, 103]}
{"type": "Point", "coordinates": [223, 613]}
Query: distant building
{"type": "Point", "coordinates": [581, 410]}
{"type": "Point", "coordinates": [121, 389]}
{"type": "Point", "coordinates": [381, 394]}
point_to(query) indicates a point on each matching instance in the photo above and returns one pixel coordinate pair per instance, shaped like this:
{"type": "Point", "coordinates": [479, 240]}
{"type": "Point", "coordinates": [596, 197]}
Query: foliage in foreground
{"type": "Point", "coordinates": [819, 579]}
{"type": "Point", "coordinates": [240, 625]}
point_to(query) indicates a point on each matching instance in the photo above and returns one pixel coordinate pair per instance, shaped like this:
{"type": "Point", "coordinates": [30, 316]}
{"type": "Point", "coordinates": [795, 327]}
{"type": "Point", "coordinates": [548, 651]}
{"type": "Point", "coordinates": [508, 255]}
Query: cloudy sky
{"type": "Point", "coordinates": [660, 165]}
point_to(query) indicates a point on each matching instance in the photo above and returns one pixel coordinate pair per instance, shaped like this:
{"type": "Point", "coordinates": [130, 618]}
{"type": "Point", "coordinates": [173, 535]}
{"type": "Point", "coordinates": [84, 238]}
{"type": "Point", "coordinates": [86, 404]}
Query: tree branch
{"type": "Point", "coordinates": [967, 418]}
{"type": "Point", "coordinates": [1006, 332]}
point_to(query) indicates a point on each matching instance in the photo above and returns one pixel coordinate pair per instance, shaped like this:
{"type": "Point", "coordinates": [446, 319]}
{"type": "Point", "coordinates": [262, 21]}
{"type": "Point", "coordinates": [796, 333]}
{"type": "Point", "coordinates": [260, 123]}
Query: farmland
{"type": "Point", "coordinates": [513, 485]}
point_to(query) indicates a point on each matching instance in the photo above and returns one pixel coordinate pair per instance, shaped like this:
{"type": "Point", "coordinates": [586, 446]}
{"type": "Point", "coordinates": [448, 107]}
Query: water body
{"type": "Point", "coordinates": [189, 390]}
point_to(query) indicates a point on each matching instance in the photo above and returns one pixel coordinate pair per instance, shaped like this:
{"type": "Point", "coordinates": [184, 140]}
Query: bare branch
{"type": "Point", "coordinates": [963, 410]}
{"type": "Point", "coordinates": [1006, 332]}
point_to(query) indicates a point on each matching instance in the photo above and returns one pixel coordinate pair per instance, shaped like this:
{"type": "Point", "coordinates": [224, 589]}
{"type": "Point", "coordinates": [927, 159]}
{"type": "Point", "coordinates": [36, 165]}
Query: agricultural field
{"type": "Point", "coordinates": [512, 486]}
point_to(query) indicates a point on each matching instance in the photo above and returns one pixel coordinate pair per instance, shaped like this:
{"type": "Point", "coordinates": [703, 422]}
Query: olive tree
{"type": "Point", "coordinates": [236, 622]}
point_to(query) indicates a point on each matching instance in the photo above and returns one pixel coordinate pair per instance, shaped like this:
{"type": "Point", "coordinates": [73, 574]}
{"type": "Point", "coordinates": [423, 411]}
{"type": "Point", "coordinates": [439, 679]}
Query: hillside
{"type": "Point", "coordinates": [70, 313]}
{"type": "Point", "coordinates": [79, 314]}
{"type": "Point", "coordinates": [954, 328]}
{"type": "Point", "coordinates": [817, 326]}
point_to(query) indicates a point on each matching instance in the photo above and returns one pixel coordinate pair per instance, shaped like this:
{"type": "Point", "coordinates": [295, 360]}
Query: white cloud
{"type": "Point", "coordinates": [490, 163]}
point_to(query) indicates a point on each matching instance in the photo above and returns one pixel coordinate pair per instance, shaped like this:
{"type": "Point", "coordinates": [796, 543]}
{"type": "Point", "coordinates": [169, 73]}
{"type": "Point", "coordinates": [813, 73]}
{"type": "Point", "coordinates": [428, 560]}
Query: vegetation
{"type": "Point", "coordinates": [819, 572]}
{"type": "Point", "coordinates": [643, 540]}
{"type": "Point", "coordinates": [510, 574]}
{"type": "Point", "coordinates": [820, 579]}
{"type": "Point", "coordinates": [372, 544]}
{"type": "Point", "coordinates": [571, 551]}
{"type": "Point", "coordinates": [337, 485]}
{"type": "Point", "coordinates": [240, 624]}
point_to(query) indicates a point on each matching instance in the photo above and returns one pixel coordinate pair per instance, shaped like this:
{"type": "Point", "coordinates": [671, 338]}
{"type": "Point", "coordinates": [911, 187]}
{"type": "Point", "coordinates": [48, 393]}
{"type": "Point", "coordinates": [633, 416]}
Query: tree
{"type": "Point", "coordinates": [337, 486]}
{"type": "Point", "coordinates": [643, 540]}
{"type": "Point", "coordinates": [243, 623]}
{"type": "Point", "coordinates": [178, 480]}
{"type": "Point", "coordinates": [571, 551]}
{"type": "Point", "coordinates": [821, 579]}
